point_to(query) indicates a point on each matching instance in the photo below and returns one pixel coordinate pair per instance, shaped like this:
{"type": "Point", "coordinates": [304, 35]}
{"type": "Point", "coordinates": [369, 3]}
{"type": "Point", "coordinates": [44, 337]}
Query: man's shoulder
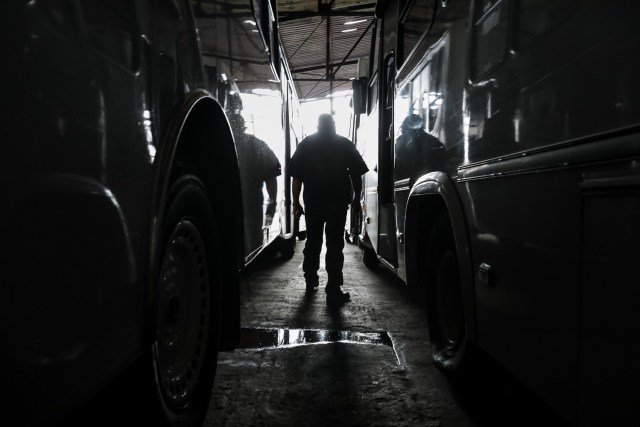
{"type": "Point", "coordinates": [322, 142]}
{"type": "Point", "coordinates": [346, 145]}
{"type": "Point", "coordinates": [255, 140]}
{"type": "Point", "coordinates": [301, 151]}
{"type": "Point", "coordinates": [305, 141]}
{"type": "Point", "coordinates": [309, 139]}
{"type": "Point", "coordinates": [330, 139]}
{"type": "Point", "coordinates": [344, 140]}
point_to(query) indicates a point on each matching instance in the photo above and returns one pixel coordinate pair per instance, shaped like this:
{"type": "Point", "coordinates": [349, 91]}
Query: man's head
{"type": "Point", "coordinates": [412, 122]}
{"type": "Point", "coordinates": [326, 124]}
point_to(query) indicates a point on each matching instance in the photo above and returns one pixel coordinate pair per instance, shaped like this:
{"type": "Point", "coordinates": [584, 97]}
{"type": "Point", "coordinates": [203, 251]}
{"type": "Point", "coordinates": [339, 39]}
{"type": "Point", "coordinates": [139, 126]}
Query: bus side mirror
{"type": "Point", "coordinates": [360, 95]}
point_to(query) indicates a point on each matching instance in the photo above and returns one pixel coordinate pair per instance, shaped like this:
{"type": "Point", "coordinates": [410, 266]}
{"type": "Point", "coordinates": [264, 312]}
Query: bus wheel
{"type": "Point", "coordinates": [445, 314]}
{"type": "Point", "coordinates": [369, 258]}
{"type": "Point", "coordinates": [184, 341]}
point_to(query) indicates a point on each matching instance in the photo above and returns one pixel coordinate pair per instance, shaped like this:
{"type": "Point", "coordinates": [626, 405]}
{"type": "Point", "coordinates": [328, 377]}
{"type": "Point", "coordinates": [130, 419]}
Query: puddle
{"type": "Point", "coordinates": [258, 338]}
{"type": "Point", "coordinates": [265, 338]}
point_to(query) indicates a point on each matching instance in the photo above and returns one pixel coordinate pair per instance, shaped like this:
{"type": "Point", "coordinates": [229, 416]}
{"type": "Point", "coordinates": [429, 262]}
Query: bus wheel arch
{"type": "Point", "coordinates": [437, 259]}
{"type": "Point", "coordinates": [199, 142]}
{"type": "Point", "coordinates": [195, 168]}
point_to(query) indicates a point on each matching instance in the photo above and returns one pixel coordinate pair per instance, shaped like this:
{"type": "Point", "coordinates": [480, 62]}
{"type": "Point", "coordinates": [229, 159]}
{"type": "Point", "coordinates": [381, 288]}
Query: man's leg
{"type": "Point", "coordinates": [312, 248]}
{"type": "Point", "coordinates": [334, 230]}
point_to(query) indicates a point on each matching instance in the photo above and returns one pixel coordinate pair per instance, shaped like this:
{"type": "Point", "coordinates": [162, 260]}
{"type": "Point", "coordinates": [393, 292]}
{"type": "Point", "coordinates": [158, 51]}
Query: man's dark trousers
{"type": "Point", "coordinates": [316, 217]}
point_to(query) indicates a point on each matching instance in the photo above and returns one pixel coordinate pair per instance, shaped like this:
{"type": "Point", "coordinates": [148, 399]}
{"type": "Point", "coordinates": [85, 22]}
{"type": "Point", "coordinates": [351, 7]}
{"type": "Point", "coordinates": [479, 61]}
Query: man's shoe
{"type": "Point", "coordinates": [312, 285]}
{"type": "Point", "coordinates": [337, 297]}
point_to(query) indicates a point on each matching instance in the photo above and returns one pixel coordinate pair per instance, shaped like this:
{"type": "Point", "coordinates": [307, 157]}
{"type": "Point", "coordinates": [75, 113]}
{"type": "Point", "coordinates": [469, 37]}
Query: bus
{"type": "Point", "coordinates": [245, 62]}
{"type": "Point", "coordinates": [503, 142]}
{"type": "Point", "coordinates": [132, 136]}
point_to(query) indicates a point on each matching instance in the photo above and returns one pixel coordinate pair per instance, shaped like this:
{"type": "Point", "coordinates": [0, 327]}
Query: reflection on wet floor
{"type": "Point", "coordinates": [258, 338]}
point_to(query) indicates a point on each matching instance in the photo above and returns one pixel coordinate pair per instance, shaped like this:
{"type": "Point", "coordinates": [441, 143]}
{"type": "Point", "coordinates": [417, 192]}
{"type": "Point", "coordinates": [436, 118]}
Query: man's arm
{"type": "Point", "coordinates": [272, 188]}
{"type": "Point", "coordinates": [295, 189]}
{"type": "Point", "coordinates": [272, 191]}
{"type": "Point", "coordinates": [356, 183]}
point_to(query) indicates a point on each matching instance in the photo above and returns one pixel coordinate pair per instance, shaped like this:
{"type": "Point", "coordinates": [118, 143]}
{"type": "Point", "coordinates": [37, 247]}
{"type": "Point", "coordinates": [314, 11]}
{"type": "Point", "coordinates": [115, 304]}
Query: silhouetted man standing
{"type": "Point", "coordinates": [258, 166]}
{"type": "Point", "coordinates": [329, 166]}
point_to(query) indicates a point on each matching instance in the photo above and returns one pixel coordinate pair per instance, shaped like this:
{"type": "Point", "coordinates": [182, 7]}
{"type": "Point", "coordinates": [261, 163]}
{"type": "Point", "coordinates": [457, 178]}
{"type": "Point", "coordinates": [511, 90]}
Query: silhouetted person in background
{"type": "Point", "coordinates": [417, 152]}
{"type": "Point", "coordinates": [258, 166]}
{"type": "Point", "coordinates": [329, 167]}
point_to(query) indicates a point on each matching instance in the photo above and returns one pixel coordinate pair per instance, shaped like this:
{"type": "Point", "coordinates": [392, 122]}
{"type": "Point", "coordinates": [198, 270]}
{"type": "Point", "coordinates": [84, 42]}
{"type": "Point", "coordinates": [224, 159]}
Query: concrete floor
{"type": "Point", "coordinates": [386, 379]}
{"type": "Point", "coordinates": [349, 384]}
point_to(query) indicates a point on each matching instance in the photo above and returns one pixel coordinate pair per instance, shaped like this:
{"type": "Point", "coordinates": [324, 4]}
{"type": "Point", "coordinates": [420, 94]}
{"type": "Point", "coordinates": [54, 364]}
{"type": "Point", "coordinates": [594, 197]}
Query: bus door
{"type": "Point", "coordinates": [287, 91]}
{"type": "Point", "coordinates": [386, 210]}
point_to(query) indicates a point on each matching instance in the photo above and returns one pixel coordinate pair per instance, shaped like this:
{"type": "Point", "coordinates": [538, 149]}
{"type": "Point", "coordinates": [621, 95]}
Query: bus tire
{"type": "Point", "coordinates": [185, 337]}
{"type": "Point", "coordinates": [369, 258]}
{"type": "Point", "coordinates": [445, 313]}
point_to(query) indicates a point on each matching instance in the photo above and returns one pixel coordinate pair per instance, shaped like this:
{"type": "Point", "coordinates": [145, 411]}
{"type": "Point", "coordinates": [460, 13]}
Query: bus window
{"type": "Point", "coordinates": [372, 97]}
{"type": "Point", "coordinates": [375, 48]}
{"type": "Point", "coordinates": [373, 94]}
{"type": "Point", "coordinates": [416, 21]}
{"type": "Point", "coordinates": [274, 38]}
{"type": "Point", "coordinates": [432, 95]}
{"type": "Point", "coordinates": [390, 82]}
{"type": "Point", "coordinates": [402, 115]}
{"type": "Point", "coordinates": [490, 35]}
{"type": "Point", "coordinates": [415, 96]}
{"type": "Point", "coordinates": [402, 107]}
{"type": "Point", "coordinates": [261, 16]}
{"type": "Point", "coordinates": [385, 147]}
{"type": "Point", "coordinates": [264, 12]}
{"type": "Point", "coordinates": [111, 29]}
{"type": "Point", "coordinates": [535, 18]}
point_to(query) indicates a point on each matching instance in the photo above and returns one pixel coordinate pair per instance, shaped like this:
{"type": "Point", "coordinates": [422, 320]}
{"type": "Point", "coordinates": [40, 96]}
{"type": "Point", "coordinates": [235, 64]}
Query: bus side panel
{"type": "Point", "coordinates": [526, 228]}
{"type": "Point", "coordinates": [550, 92]}
{"type": "Point", "coordinates": [610, 331]}
{"type": "Point", "coordinates": [367, 143]}
{"type": "Point", "coordinates": [79, 158]}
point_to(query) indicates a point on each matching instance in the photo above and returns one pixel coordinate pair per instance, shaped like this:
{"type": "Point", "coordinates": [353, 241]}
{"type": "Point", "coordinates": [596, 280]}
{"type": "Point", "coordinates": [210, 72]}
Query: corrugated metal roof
{"type": "Point", "coordinates": [303, 31]}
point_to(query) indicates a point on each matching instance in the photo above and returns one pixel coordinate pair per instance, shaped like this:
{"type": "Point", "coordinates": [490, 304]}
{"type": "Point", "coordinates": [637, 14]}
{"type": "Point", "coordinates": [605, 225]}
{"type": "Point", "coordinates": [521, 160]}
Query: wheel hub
{"type": "Point", "coordinates": [183, 298]}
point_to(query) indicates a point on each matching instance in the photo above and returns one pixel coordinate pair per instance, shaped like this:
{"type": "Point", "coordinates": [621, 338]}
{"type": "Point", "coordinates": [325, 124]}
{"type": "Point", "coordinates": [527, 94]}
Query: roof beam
{"type": "Point", "coordinates": [305, 40]}
{"type": "Point", "coordinates": [292, 16]}
{"type": "Point", "coordinates": [357, 11]}
{"type": "Point", "coordinates": [353, 47]}
{"type": "Point", "coordinates": [323, 66]}
{"type": "Point", "coordinates": [320, 80]}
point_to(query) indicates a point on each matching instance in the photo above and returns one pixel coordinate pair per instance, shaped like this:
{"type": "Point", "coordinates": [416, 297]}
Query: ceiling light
{"type": "Point", "coordinates": [250, 22]}
{"type": "Point", "coordinates": [355, 22]}
{"type": "Point", "coordinates": [348, 30]}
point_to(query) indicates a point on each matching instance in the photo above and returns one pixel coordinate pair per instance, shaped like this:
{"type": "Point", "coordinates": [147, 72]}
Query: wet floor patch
{"type": "Point", "coordinates": [262, 338]}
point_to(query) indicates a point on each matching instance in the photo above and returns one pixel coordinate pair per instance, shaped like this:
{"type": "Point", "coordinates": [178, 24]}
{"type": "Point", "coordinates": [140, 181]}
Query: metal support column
{"type": "Point", "coordinates": [329, 62]}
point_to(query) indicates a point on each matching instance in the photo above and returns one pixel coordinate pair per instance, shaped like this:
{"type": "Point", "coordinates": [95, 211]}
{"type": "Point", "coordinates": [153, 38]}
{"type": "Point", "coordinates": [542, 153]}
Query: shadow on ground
{"type": "Point", "coordinates": [338, 383]}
